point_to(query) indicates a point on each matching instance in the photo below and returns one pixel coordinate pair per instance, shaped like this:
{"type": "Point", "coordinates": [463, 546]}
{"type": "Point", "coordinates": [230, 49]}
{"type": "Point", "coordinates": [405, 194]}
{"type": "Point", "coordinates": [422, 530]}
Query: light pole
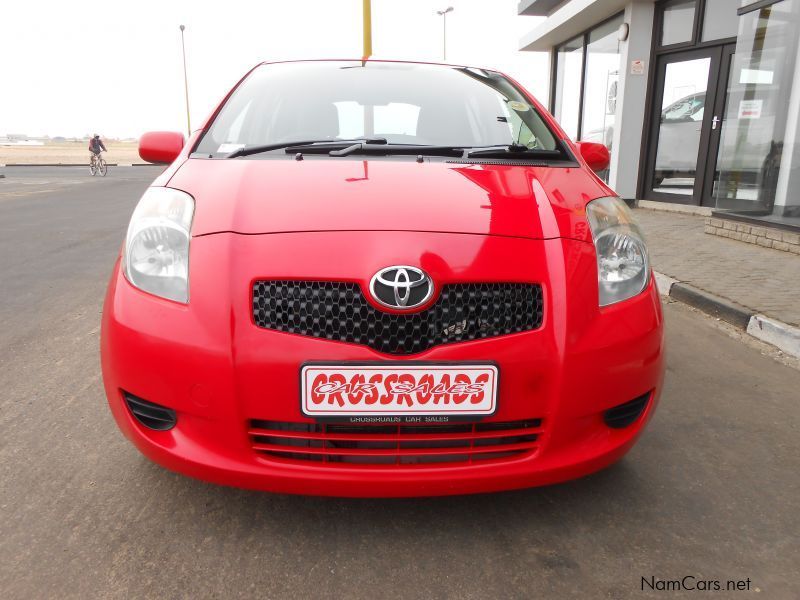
{"type": "Point", "coordinates": [186, 85]}
{"type": "Point", "coordinates": [443, 14]}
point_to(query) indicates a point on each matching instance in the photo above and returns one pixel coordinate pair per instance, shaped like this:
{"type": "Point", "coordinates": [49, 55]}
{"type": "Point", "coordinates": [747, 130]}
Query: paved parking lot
{"type": "Point", "coordinates": [764, 280]}
{"type": "Point", "coordinates": [711, 491]}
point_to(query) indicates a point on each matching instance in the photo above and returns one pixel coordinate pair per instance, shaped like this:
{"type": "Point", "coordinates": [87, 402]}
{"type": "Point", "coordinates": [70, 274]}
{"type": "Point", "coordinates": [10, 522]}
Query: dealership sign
{"type": "Point", "coordinates": [421, 389]}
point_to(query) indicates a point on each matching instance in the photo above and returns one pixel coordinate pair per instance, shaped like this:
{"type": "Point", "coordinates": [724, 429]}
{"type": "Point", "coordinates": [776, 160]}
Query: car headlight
{"type": "Point", "coordinates": [157, 245]}
{"type": "Point", "coordinates": [623, 267]}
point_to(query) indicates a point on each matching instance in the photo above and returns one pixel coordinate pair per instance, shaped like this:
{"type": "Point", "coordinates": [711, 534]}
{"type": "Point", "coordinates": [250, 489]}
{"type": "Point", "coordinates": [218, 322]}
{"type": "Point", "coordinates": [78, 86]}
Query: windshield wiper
{"type": "Point", "coordinates": [515, 151]}
{"type": "Point", "coordinates": [380, 146]}
{"type": "Point", "coordinates": [247, 151]}
{"type": "Point", "coordinates": [381, 149]}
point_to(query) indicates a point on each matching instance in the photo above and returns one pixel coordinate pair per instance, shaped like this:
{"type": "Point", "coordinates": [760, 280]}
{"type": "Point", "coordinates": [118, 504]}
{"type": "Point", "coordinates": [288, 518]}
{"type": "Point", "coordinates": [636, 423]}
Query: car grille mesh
{"type": "Point", "coordinates": [339, 311]}
{"type": "Point", "coordinates": [394, 445]}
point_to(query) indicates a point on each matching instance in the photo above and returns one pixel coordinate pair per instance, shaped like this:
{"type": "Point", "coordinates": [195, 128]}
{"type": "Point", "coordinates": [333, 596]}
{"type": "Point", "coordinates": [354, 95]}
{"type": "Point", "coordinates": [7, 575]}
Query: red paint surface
{"type": "Point", "coordinates": [321, 219]}
{"type": "Point", "coordinates": [161, 147]}
{"type": "Point", "coordinates": [596, 155]}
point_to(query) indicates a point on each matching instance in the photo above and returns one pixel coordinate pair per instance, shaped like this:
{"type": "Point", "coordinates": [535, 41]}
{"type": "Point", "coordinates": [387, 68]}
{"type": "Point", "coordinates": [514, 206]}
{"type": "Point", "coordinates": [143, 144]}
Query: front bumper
{"type": "Point", "coordinates": [210, 363]}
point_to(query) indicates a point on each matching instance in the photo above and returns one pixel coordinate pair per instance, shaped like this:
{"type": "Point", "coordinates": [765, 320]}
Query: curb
{"type": "Point", "coordinates": [779, 334]}
{"type": "Point", "coordinates": [776, 333]}
{"type": "Point", "coordinates": [723, 309]}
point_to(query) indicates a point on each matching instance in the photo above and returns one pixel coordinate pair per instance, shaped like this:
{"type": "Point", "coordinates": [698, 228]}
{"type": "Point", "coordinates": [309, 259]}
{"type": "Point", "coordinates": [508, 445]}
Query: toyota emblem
{"type": "Point", "coordinates": [401, 287]}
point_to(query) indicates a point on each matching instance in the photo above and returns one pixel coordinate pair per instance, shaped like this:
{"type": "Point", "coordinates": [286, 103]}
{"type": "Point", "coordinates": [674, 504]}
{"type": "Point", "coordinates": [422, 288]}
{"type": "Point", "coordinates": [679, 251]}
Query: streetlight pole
{"type": "Point", "coordinates": [443, 14]}
{"type": "Point", "coordinates": [186, 84]}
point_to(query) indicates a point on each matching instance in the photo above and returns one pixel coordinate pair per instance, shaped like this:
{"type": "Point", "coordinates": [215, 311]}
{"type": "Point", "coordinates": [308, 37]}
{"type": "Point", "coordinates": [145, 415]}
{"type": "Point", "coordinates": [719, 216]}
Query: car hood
{"type": "Point", "coordinates": [325, 194]}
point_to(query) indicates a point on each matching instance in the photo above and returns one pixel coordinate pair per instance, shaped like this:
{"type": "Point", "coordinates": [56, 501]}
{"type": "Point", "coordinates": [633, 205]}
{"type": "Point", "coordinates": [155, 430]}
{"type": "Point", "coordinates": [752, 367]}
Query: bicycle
{"type": "Point", "coordinates": [97, 164]}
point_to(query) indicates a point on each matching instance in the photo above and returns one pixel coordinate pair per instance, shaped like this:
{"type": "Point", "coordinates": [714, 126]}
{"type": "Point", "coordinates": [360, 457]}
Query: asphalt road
{"type": "Point", "coordinates": [711, 491]}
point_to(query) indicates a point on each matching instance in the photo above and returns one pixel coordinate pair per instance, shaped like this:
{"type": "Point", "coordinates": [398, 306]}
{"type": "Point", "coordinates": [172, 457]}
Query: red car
{"type": "Point", "coordinates": [375, 278]}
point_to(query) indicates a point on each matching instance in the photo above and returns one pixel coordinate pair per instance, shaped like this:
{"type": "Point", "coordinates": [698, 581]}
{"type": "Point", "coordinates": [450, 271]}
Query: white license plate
{"type": "Point", "coordinates": [466, 390]}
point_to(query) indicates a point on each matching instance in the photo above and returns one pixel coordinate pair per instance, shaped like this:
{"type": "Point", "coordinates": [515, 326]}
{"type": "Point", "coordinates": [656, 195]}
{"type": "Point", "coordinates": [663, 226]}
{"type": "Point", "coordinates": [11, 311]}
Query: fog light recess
{"type": "Point", "coordinates": [626, 414]}
{"type": "Point", "coordinates": [152, 416]}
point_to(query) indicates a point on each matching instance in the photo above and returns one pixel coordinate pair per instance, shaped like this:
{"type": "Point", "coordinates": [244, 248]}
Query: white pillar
{"type": "Point", "coordinates": [630, 128]}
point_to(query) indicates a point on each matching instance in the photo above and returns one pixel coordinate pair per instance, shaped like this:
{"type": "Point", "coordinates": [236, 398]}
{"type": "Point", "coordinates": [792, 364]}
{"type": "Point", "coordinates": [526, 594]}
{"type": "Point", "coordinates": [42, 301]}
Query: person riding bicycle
{"type": "Point", "coordinates": [96, 146]}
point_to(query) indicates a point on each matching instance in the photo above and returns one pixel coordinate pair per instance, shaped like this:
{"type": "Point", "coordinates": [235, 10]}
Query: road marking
{"type": "Point", "coordinates": [10, 195]}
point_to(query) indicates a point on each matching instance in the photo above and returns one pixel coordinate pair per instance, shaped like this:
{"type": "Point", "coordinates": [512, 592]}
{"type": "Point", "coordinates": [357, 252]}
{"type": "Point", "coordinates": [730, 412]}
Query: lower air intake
{"type": "Point", "coordinates": [626, 414]}
{"type": "Point", "coordinates": [395, 445]}
{"type": "Point", "coordinates": [152, 416]}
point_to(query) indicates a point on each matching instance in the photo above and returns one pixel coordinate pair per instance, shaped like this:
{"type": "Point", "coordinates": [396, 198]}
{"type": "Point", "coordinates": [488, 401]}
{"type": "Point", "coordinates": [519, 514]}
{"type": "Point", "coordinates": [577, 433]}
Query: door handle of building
{"type": "Point", "coordinates": [714, 122]}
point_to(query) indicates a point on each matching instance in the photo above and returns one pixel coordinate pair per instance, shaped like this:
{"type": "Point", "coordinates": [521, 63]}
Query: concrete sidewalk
{"type": "Point", "coordinates": [750, 286]}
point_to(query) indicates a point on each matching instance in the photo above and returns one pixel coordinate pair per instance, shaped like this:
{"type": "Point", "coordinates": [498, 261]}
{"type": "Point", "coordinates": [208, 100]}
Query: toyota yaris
{"type": "Point", "coordinates": [367, 278]}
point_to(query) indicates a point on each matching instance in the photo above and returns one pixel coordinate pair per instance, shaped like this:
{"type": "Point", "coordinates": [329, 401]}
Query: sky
{"type": "Point", "coordinates": [69, 69]}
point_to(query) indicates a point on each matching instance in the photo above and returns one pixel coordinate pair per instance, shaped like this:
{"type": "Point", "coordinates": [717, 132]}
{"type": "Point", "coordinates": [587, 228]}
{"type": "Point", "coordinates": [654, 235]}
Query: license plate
{"type": "Point", "coordinates": [409, 392]}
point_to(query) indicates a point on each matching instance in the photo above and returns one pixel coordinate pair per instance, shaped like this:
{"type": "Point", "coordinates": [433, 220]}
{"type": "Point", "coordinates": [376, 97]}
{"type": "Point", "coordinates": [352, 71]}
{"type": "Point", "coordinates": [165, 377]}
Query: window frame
{"type": "Point", "coordinates": [755, 5]}
{"type": "Point", "coordinates": [584, 35]}
{"type": "Point", "coordinates": [696, 40]}
{"type": "Point", "coordinates": [542, 129]}
{"type": "Point", "coordinates": [657, 51]}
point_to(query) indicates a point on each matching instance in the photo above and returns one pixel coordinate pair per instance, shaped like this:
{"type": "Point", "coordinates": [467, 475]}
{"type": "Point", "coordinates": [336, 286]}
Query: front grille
{"type": "Point", "coordinates": [339, 311]}
{"type": "Point", "coordinates": [394, 445]}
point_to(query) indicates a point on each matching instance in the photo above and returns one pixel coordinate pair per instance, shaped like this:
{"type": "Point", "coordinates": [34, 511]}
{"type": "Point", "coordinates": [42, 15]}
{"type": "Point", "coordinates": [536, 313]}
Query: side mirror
{"type": "Point", "coordinates": [596, 155]}
{"type": "Point", "coordinates": [160, 146]}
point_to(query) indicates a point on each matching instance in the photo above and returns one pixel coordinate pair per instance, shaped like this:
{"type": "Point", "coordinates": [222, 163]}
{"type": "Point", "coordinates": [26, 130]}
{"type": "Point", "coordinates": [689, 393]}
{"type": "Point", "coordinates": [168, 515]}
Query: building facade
{"type": "Point", "coordinates": [698, 100]}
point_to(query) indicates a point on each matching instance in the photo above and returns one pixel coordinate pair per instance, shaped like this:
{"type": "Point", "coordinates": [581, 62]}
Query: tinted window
{"type": "Point", "coordinates": [405, 103]}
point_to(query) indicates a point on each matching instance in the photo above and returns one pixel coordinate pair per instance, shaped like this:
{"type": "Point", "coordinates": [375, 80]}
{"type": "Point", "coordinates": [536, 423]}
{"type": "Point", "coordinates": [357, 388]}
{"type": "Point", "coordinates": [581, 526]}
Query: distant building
{"type": "Point", "coordinates": [698, 100]}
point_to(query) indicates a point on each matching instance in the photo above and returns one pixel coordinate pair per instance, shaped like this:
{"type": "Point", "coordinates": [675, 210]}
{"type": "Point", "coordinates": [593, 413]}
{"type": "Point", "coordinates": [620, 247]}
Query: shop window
{"type": "Point", "coordinates": [569, 66]}
{"type": "Point", "coordinates": [586, 82]}
{"type": "Point", "coordinates": [757, 107]}
{"type": "Point", "coordinates": [600, 83]}
{"type": "Point", "coordinates": [678, 22]}
{"type": "Point", "coordinates": [720, 20]}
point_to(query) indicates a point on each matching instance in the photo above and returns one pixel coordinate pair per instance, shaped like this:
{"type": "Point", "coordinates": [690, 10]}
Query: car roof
{"type": "Point", "coordinates": [379, 60]}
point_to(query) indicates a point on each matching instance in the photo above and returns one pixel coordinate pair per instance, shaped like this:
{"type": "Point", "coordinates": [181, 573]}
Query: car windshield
{"type": "Point", "coordinates": [404, 103]}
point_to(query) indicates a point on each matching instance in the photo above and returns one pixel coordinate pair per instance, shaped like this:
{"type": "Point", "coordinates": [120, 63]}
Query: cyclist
{"type": "Point", "coordinates": [96, 146]}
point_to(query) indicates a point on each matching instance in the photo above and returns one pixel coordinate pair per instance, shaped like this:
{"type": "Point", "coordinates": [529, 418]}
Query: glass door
{"type": "Point", "coordinates": [718, 152]}
{"type": "Point", "coordinates": [682, 122]}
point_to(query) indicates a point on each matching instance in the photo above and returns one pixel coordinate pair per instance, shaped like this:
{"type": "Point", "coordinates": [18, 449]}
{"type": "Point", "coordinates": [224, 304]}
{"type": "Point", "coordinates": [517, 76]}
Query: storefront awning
{"type": "Point", "coordinates": [569, 20]}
